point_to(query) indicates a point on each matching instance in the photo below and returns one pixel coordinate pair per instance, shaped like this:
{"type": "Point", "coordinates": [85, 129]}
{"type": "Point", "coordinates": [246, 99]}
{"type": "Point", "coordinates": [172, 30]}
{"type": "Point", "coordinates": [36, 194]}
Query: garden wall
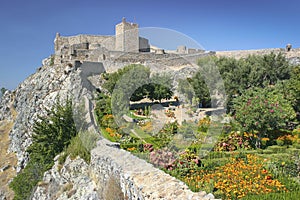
{"type": "Point", "coordinates": [138, 179]}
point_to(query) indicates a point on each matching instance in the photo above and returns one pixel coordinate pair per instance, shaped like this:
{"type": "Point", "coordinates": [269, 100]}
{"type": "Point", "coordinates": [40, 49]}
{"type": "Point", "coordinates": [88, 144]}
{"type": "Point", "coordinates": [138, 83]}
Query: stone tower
{"type": "Point", "coordinates": [127, 37]}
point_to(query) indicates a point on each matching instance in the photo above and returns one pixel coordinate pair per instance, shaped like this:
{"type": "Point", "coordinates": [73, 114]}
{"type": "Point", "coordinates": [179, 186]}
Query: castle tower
{"type": "Point", "coordinates": [127, 37]}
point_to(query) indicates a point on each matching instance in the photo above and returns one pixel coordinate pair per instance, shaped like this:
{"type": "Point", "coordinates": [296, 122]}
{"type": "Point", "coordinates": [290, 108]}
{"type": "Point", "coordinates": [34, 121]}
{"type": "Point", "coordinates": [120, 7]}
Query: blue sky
{"type": "Point", "coordinates": [28, 27]}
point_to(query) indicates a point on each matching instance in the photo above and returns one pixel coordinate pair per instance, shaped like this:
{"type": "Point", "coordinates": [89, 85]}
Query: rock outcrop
{"type": "Point", "coordinates": [70, 181]}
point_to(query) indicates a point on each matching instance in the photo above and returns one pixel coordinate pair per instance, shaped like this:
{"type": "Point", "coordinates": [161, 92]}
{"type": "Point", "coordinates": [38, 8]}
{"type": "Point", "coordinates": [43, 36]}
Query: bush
{"type": "Point", "coordinates": [277, 149]}
{"type": "Point", "coordinates": [234, 141]}
{"type": "Point", "coordinates": [24, 182]}
{"type": "Point", "coordinates": [162, 158]}
{"type": "Point", "coordinates": [81, 146]}
{"type": "Point", "coordinates": [262, 110]}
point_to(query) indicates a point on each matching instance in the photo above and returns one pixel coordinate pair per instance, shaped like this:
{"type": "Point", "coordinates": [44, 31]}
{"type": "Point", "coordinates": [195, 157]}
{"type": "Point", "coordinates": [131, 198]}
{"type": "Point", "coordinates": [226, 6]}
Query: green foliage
{"type": "Point", "coordinates": [185, 88]}
{"type": "Point", "coordinates": [2, 91]}
{"type": "Point", "coordinates": [159, 88]}
{"type": "Point", "coordinates": [237, 74]}
{"type": "Point", "coordinates": [294, 195]}
{"type": "Point", "coordinates": [197, 86]}
{"type": "Point", "coordinates": [253, 71]}
{"type": "Point", "coordinates": [128, 72]}
{"type": "Point", "coordinates": [262, 110]}
{"type": "Point", "coordinates": [103, 107]}
{"type": "Point", "coordinates": [52, 60]}
{"type": "Point", "coordinates": [125, 87]}
{"type": "Point", "coordinates": [25, 181]}
{"type": "Point", "coordinates": [186, 162]}
{"type": "Point", "coordinates": [138, 84]}
{"type": "Point", "coordinates": [80, 145]}
{"type": "Point", "coordinates": [52, 133]}
{"type": "Point", "coordinates": [291, 89]}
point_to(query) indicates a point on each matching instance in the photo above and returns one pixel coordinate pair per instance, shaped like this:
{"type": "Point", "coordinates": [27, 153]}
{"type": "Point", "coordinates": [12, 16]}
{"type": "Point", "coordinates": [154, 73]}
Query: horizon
{"type": "Point", "coordinates": [29, 28]}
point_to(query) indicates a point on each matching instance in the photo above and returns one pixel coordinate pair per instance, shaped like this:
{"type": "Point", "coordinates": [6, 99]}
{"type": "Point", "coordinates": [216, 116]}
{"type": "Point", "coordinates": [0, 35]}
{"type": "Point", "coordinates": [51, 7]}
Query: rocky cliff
{"type": "Point", "coordinates": [37, 93]}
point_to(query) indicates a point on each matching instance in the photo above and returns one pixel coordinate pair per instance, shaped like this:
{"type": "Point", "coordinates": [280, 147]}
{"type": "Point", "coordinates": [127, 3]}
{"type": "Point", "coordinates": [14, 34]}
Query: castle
{"type": "Point", "coordinates": [98, 48]}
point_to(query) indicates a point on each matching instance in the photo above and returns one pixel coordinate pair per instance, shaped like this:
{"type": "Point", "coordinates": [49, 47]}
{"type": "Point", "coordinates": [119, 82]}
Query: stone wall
{"type": "Point", "coordinates": [244, 53]}
{"type": "Point", "coordinates": [139, 180]}
{"type": "Point", "coordinates": [92, 40]}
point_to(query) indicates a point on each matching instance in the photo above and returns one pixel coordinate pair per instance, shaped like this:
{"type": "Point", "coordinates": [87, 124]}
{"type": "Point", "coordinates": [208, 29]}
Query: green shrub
{"type": "Point", "coordinates": [296, 145]}
{"type": "Point", "coordinates": [275, 196]}
{"type": "Point", "coordinates": [293, 151]}
{"type": "Point", "coordinates": [81, 146]}
{"type": "Point", "coordinates": [267, 151]}
{"type": "Point", "coordinates": [211, 164]}
{"type": "Point", "coordinates": [218, 154]}
{"type": "Point", "coordinates": [277, 149]}
{"type": "Point", "coordinates": [52, 60]}
{"type": "Point", "coordinates": [25, 181]}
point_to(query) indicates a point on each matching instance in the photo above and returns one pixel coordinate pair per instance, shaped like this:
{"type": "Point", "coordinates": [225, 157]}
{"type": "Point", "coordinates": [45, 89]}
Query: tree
{"type": "Point", "coordinates": [125, 87]}
{"type": "Point", "coordinates": [291, 89]}
{"type": "Point", "coordinates": [52, 133]}
{"type": "Point", "coordinates": [260, 110]}
{"type": "Point", "coordinates": [201, 90]}
{"type": "Point", "coordinates": [113, 78]}
{"type": "Point", "coordinates": [160, 87]}
{"type": "Point", "coordinates": [185, 88]}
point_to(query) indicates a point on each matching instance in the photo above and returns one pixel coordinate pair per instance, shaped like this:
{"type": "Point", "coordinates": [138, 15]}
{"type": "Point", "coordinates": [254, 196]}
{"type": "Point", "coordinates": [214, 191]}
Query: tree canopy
{"type": "Point", "coordinates": [135, 80]}
{"type": "Point", "coordinates": [262, 110]}
{"type": "Point", "coordinates": [240, 74]}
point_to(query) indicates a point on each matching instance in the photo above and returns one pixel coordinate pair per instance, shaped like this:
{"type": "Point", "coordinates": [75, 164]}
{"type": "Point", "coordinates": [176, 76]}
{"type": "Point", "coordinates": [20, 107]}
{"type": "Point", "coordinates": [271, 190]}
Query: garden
{"type": "Point", "coordinates": [256, 153]}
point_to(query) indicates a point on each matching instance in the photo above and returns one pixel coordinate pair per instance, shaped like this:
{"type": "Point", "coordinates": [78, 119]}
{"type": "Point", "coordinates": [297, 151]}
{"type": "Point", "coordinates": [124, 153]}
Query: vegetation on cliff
{"type": "Point", "coordinates": [52, 133]}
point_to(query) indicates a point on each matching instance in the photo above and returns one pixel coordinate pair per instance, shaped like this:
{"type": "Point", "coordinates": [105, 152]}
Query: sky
{"type": "Point", "coordinates": [28, 27]}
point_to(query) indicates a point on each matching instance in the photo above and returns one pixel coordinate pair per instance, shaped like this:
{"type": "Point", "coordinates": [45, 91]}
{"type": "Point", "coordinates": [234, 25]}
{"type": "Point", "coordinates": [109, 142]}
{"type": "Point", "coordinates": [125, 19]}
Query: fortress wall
{"type": "Point", "coordinates": [163, 59]}
{"type": "Point", "coordinates": [244, 53]}
{"type": "Point", "coordinates": [107, 41]}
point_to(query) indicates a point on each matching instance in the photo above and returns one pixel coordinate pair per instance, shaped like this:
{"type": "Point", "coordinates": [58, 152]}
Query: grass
{"type": "Point", "coordinates": [294, 195]}
{"type": "Point", "coordinates": [81, 146]}
{"type": "Point", "coordinates": [140, 133]}
{"type": "Point", "coordinates": [106, 135]}
{"type": "Point", "coordinates": [145, 138]}
{"type": "Point", "coordinates": [131, 115]}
